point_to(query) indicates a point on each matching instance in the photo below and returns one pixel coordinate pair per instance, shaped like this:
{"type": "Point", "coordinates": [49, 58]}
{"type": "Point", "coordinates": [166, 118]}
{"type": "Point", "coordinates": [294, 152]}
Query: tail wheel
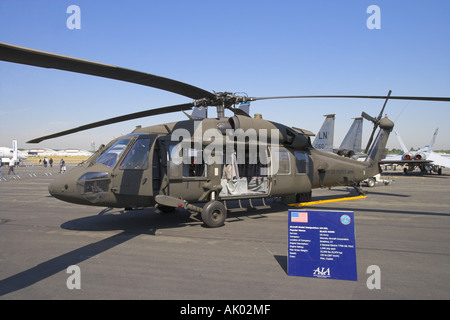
{"type": "Point", "coordinates": [214, 214]}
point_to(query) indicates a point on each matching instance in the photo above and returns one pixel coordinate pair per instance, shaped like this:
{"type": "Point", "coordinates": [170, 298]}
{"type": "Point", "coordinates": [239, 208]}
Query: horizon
{"type": "Point", "coordinates": [264, 48]}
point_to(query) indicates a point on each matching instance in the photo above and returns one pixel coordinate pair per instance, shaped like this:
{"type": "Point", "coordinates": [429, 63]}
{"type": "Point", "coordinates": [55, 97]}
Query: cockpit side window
{"type": "Point", "coordinates": [137, 158]}
{"type": "Point", "coordinates": [110, 156]}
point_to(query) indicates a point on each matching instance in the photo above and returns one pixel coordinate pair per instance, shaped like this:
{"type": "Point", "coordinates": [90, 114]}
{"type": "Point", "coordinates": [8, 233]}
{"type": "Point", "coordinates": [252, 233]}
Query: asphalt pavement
{"type": "Point", "coordinates": [402, 228]}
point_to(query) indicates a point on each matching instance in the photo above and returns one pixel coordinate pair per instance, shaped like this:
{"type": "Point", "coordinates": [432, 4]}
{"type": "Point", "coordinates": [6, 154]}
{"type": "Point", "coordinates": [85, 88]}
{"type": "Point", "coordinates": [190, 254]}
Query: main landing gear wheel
{"type": "Point", "coordinates": [214, 214]}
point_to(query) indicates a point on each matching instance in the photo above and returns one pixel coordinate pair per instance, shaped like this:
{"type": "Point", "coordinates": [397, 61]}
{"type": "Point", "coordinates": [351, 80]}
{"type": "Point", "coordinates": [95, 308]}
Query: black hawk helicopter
{"type": "Point", "coordinates": [201, 160]}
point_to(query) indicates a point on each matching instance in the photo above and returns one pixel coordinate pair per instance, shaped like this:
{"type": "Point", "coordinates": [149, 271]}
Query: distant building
{"type": "Point", "coordinates": [46, 152]}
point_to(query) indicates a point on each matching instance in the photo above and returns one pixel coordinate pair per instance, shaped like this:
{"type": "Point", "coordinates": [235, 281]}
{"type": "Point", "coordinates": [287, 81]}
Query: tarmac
{"type": "Point", "coordinates": [402, 228]}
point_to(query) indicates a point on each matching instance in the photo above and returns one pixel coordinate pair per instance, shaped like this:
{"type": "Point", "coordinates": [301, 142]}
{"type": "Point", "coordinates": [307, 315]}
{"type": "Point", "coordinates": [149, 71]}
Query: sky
{"type": "Point", "coordinates": [260, 47]}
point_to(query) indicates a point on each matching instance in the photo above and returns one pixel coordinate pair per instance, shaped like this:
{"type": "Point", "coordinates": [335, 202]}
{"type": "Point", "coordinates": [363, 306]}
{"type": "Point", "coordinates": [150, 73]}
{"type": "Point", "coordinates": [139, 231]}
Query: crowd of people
{"type": "Point", "coordinates": [46, 162]}
{"type": "Point", "coordinates": [49, 162]}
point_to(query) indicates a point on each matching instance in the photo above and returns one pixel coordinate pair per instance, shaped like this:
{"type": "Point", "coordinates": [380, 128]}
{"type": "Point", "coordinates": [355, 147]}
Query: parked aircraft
{"type": "Point", "coordinates": [184, 163]}
{"type": "Point", "coordinates": [351, 144]}
{"type": "Point", "coordinates": [425, 159]}
{"type": "Point", "coordinates": [7, 153]}
{"type": "Point", "coordinates": [325, 137]}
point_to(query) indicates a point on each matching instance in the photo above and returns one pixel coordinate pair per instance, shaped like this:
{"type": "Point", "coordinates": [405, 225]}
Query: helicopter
{"type": "Point", "coordinates": [200, 163]}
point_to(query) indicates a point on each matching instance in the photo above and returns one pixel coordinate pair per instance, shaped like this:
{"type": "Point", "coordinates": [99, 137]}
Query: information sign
{"type": "Point", "coordinates": [321, 244]}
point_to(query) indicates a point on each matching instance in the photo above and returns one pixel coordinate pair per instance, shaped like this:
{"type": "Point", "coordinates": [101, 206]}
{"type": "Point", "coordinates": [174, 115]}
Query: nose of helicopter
{"type": "Point", "coordinates": [81, 187]}
{"type": "Point", "coordinates": [63, 187]}
{"type": "Point", "coordinates": [59, 187]}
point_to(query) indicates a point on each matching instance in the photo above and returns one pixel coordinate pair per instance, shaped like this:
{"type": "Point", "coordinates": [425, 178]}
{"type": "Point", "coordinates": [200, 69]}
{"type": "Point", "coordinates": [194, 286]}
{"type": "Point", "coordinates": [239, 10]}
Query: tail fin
{"type": "Point", "coordinates": [400, 140]}
{"type": "Point", "coordinates": [433, 139]}
{"type": "Point", "coordinates": [352, 140]}
{"type": "Point", "coordinates": [377, 150]}
{"type": "Point", "coordinates": [15, 154]}
{"type": "Point", "coordinates": [325, 136]}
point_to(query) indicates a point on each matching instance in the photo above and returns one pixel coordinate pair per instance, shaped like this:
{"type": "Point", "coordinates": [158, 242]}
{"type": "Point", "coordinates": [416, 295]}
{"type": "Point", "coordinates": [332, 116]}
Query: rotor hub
{"type": "Point", "coordinates": [222, 100]}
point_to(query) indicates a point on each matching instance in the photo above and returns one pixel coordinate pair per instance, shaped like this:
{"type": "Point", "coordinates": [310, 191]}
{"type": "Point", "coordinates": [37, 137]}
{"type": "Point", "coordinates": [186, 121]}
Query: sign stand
{"type": "Point", "coordinates": [321, 244]}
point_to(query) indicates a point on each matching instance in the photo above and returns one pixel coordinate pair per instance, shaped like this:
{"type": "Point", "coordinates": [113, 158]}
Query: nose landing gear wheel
{"type": "Point", "coordinates": [214, 214]}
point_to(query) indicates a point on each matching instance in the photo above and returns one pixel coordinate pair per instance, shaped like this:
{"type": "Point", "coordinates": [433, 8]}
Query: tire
{"type": "Point", "coordinates": [371, 182]}
{"type": "Point", "coordinates": [214, 214]}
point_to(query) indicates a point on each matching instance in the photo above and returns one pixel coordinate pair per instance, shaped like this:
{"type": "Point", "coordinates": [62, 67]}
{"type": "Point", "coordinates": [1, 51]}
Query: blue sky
{"type": "Point", "coordinates": [261, 47]}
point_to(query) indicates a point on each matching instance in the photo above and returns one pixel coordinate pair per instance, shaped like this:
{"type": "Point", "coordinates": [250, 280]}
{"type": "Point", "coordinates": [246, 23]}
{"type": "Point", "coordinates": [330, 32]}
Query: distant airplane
{"type": "Point", "coordinates": [425, 159]}
{"type": "Point", "coordinates": [350, 146]}
{"type": "Point", "coordinates": [7, 153]}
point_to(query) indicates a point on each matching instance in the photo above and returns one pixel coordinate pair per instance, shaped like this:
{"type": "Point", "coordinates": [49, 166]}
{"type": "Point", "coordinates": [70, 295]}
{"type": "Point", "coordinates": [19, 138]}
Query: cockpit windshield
{"type": "Point", "coordinates": [110, 156]}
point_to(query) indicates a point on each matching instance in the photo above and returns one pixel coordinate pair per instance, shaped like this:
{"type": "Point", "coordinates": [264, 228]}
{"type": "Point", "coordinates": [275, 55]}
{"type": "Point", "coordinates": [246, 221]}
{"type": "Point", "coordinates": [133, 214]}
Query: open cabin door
{"type": "Point", "coordinates": [245, 173]}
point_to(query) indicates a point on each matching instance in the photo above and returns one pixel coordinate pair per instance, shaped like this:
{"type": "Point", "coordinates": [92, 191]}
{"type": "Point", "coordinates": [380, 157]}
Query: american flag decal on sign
{"type": "Point", "coordinates": [301, 216]}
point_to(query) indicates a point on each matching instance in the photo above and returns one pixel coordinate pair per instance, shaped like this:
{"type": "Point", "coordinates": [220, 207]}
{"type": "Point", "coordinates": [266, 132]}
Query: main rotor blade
{"type": "Point", "coordinates": [444, 99]}
{"type": "Point", "coordinates": [43, 59]}
{"type": "Point", "coordinates": [131, 116]}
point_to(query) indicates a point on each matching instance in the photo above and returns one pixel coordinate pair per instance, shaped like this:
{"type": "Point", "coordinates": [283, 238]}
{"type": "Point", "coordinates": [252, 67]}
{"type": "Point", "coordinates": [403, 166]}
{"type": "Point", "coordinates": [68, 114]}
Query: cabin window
{"type": "Point", "coordinates": [190, 159]}
{"type": "Point", "coordinates": [284, 164]}
{"type": "Point", "coordinates": [193, 165]}
{"type": "Point", "coordinates": [110, 156]}
{"type": "Point", "coordinates": [137, 157]}
{"type": "Point", "coordinates": [301, 161]}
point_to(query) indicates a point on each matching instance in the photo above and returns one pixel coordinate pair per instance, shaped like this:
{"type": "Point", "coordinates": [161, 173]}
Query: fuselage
{"type": "Point", "coordinates": [197, 161]}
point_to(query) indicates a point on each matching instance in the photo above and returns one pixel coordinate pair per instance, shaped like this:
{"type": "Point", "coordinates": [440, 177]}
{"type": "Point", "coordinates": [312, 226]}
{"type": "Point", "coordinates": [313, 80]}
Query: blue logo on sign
{"type": "Point", "coordinates": [345, 219]}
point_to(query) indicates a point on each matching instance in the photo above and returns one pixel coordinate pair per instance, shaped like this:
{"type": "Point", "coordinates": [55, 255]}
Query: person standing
{"type": "Point", "coordinates": [62, 166]}
{"type": "Point", "coordinates": [11, 166]}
